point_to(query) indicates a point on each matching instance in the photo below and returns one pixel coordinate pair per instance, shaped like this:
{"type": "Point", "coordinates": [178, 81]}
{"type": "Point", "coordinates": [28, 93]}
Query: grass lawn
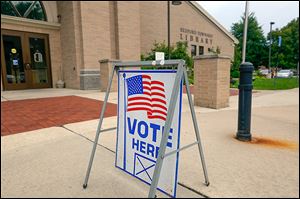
{"type": "Point", "coordinates": [273, 84]}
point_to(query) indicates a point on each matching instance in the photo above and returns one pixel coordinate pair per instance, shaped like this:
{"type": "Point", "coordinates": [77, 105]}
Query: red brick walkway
{"type": "Point", "coordinates": [26, 115]}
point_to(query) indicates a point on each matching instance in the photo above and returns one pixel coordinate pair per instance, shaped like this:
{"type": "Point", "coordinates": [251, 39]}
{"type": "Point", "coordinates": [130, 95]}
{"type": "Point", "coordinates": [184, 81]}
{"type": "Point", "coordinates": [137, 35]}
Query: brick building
{"type": "Point", "coordinates": [44, 41]}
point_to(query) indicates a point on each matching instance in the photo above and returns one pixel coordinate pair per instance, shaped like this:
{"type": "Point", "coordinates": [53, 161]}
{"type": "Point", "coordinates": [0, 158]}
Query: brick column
{"type": "Point", "coordinates": [211, 81]}
{"type": "Point", "coordinates": [105, 72]}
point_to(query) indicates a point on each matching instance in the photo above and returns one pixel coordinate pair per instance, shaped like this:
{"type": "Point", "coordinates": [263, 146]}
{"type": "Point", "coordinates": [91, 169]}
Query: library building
{"type": "Point", "coordinates": [44, 43]}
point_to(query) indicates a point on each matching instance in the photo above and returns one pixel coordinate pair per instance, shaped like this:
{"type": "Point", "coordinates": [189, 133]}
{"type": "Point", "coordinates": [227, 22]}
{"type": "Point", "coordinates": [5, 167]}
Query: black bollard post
{"type": "Point", "coordinates": [245, 99]}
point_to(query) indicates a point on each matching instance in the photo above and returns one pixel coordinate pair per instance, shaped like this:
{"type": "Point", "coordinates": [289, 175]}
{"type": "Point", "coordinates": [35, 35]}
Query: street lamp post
{"type": "Point", "coordinates": [168, 29]}
{"type": "Point", "coordinates": [245, 33]}
{"type": "Point", "coordinates": [175, 3]}
{"type": "Point", "coordinates": [245, 90]}
{"type": "Point", "coordinates": [270, 46]}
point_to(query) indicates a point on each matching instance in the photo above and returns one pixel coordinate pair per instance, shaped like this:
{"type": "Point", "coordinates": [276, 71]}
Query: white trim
{"type": "Point", "coordinates": [194, 3]}
{"type": "Point", "coordinates": [28, 22]}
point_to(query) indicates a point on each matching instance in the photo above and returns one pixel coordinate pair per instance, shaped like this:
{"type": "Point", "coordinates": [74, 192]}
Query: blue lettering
{"type": "Point", "coordinates": [150, 149]}
{"type": "Point", "coordinates": [163, 128]}
{"type": "Point", "coordinates": [155, 127]}
{"type": "Point", "coordinates": [131, 128]}
{"type": "Point", "coordinates": [169, 143]}
{"type": "Point", "coordinates": [142, 128]}
{"type": "Point", "coordinates": [145, 133]}
{"type": "Point", "coordinates": [143, 147]}
{"type": "Point", "coordinates": [135, 144]}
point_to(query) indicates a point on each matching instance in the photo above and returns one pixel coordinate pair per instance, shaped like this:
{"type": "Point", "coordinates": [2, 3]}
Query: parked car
{"type": "Point", "coordinates": [264, 72]}
{"type": "Point", "coordinates": [295, 72]}
{"type": "Point", "coordinates": [284, 74]}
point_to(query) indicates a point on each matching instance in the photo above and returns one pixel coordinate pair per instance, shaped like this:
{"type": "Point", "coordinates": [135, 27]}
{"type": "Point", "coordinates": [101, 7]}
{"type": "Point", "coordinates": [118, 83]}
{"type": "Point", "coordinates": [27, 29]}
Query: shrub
{"type": "Point", "coordinates": [180, 51]}
{"type": "Point", "coordinates": [235, 74]}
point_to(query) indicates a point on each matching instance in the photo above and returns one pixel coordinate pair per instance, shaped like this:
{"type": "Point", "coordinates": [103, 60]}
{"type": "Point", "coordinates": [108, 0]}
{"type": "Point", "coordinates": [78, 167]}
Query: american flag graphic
{"type": "Point", "coordinates": [144, 94]}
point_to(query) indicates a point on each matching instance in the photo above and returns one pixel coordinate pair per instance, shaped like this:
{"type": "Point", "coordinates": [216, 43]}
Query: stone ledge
{"type": "Point", "coordinates": [211, 57]}
{"type": "Point", "coordinates": [109, 60]}
{"type": "Point", "coordinates": [89, 72]}
{"type": "Point", "coordinates": [90, 82]}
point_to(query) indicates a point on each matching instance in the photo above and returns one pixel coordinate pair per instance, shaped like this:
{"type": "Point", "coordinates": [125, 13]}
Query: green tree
{"type": "Point", "coordinates": [287, 55]}
{"type": "Point", "coordinates": [256, 48]}
{"type": "Point", "coordinates": [180, 51]}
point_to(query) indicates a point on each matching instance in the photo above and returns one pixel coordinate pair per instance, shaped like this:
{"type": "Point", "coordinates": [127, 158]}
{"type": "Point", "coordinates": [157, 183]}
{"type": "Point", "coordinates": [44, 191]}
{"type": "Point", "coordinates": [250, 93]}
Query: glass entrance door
{"type": "Point", "coordinates": [12, 62]}
{"type": "Point", "coordinates": [25, 60]}
{"type": "Point", "coordinates": [39, 61]}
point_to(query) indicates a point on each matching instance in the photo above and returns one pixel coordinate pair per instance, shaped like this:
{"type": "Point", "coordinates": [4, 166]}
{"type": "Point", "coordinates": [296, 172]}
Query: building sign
{"type": "Point", "coordinates": [143, 100]}
{"type": "Point", "coordinates": [194, 32]}
{"type": "Point", "coordinates": [198, 35]}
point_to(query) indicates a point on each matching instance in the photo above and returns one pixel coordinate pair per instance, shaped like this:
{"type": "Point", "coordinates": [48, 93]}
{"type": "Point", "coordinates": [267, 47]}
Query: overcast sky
{"type": "Point", "coordinates": [229, 12]}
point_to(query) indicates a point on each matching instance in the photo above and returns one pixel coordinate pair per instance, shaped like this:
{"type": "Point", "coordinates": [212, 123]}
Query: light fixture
{"type": "Point", "coordinates": [176, 3]}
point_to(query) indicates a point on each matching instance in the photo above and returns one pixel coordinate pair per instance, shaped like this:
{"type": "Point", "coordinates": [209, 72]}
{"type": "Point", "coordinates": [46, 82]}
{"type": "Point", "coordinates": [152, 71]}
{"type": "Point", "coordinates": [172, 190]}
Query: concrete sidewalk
{"type": "Point", "coordinates": [52, 162]}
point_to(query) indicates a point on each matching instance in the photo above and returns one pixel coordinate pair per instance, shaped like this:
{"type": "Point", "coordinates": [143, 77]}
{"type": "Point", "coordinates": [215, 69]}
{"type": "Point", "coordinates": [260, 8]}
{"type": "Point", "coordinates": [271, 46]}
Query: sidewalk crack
{"type": "Point", "coordinates": [87, 138]}
{"type": "Point", "coordinates": [193, 190]}
{"type": "Point", "coordinates": [179, 183]}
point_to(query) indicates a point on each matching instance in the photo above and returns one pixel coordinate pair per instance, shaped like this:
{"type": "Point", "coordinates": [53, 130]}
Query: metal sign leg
{"type": "Point", "coordinates": [186, 80]}
{"type": "Point", "coordinates": [181, 74]}
{"type": "Point", "coordinates": [164, 139]}
{"type": "Point", "coordinates": [98, 130]}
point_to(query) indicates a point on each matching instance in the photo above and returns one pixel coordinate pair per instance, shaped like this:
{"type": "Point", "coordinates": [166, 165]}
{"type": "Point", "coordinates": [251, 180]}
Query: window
{"type": "Point", "coordinates": [201, 50]}
{"type": "Point", "coordinates": [25, 9]}
{"type": "Point", "coordinates": [191, 38]}
{"type": "Point", "coordinates": [181, 36]}
{"type": "Point", "coordinates": [197, 39]}
{"type": "Point", "coordinates": [193, 50]}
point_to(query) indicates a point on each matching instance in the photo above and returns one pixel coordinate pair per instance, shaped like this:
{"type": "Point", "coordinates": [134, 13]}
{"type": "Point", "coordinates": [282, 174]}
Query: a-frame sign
{"type": "Point", "coordinates": [149, 105]}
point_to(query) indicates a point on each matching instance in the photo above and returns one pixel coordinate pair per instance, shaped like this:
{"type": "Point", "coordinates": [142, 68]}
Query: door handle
{"type": "Point", "coordinates": [27, 66]}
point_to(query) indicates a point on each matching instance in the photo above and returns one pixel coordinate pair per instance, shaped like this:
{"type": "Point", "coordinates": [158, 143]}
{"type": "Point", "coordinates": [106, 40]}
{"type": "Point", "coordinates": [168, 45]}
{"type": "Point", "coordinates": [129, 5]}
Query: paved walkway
{"type": "Point", "coordinates": [232, 91]}
{"type": "Point", "coordinates": [51, 162]}
{"type": "Point", "coordinates": [31, 114]}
